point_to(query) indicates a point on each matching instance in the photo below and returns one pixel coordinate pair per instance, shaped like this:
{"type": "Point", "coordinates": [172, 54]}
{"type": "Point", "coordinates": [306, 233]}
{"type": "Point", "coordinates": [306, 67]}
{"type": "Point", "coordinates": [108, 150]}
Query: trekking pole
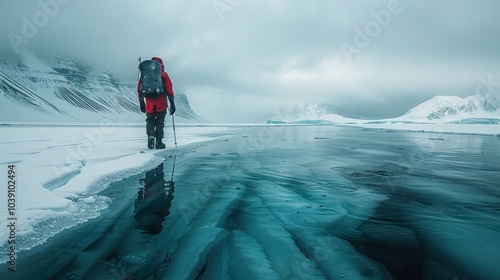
{"type": "Point", "coordinates": [171, 183]}
{"type": "Point", "coordinates": [173, 169]}
{"type": "Point", "coordinates": [175, 137]}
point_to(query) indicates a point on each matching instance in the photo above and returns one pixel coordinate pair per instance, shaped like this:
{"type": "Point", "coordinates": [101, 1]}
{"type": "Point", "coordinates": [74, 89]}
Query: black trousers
{"type": "Point", "coordinates": [155, 123]}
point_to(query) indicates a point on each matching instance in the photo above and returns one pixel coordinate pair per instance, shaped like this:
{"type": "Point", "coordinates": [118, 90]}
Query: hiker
{"type": "Point", "coordinates": [155, 104]}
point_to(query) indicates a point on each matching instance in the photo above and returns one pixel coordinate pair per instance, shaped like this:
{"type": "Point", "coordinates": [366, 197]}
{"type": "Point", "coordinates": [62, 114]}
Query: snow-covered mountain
{"type": "Point", "coordinates": [475, 109]}
{"type": "Point", "coordinates": [443, 109]}
{"type": "Point", "coordinates": [312, 113]}
{"type": "Point", "coordinates": [66, 91]}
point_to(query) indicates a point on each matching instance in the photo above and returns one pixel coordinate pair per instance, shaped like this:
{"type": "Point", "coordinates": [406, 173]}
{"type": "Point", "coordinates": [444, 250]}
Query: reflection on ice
{"type": "Point", "coordinates": [153, 201]}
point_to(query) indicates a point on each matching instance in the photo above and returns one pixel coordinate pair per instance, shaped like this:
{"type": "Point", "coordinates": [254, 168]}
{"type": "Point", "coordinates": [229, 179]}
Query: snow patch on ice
{"type": "Point", "coordinates": [89, 200]}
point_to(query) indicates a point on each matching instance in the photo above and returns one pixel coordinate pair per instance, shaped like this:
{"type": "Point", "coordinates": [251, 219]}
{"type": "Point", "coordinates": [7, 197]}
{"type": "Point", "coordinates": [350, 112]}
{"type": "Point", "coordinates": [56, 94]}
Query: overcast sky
{"type": "Point", "coordinates": [241, 60]}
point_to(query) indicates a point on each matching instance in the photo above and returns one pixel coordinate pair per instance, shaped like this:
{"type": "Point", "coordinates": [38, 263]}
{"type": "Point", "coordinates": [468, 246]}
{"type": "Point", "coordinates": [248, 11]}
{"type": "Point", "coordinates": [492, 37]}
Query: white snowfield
{"type": "Point", "coordinates": [59, 169]}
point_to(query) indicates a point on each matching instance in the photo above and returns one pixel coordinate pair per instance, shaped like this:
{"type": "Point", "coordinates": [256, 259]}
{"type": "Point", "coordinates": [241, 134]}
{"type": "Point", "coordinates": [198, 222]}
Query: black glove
{"type": "Point", "coordinates": [142, 104]}
{"type": "Point", "coordinates": [172, 104]}
{"type": "Point", "coordinates": [172, 108]}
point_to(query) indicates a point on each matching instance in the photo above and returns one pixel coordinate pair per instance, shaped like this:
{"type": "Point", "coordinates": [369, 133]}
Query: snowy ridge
{"type": "Point", "coordinates": [66, 91]}
{"type": "Point", "coordinates": [443, 109]}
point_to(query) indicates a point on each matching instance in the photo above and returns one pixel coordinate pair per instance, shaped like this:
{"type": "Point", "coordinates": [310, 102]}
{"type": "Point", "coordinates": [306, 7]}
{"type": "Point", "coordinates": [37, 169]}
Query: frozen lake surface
{"type": "Point", "coordinates": [293, 202]}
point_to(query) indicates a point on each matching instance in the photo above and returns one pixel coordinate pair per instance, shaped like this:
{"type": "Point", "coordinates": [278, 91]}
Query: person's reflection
{"type": "Point", "coordinates": [153, 201]}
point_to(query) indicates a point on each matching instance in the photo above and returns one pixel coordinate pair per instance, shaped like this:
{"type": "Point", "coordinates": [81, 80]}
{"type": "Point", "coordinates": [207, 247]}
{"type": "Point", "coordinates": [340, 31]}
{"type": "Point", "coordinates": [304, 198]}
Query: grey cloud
{"type": "Point", "coordinates": [265, 54]}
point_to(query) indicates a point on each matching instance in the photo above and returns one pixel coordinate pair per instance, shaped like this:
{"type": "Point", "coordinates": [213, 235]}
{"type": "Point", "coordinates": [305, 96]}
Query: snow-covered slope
{"type": "Point", "coordinates": [443, 109]}
{"type": "Point", "coordinates": [66, 91]}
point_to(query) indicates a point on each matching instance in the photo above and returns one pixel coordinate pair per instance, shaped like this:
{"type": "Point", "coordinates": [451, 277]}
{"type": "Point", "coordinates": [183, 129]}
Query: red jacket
{"type": "Point", "coordinates": [159, 103]}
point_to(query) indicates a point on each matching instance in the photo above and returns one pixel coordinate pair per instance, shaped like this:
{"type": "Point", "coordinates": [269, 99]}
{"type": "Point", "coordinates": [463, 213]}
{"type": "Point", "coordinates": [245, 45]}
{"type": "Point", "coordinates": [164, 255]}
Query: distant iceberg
{"type": "Point", "coordinates": [315, 122]}
{"type": "Point", "coordinates": [476, 121]}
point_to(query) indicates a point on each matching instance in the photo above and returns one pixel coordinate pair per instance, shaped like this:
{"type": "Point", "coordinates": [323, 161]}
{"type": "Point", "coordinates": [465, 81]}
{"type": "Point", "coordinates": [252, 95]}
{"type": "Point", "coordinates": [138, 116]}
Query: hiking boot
{"type": "Point", "coordinates": [160, 145]}
{"type": "Point", "coordinates": [151, 142]}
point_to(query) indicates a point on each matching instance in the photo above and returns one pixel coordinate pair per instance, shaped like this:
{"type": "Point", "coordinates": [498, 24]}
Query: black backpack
{"type": "Point", "coordinates": [151, 79]}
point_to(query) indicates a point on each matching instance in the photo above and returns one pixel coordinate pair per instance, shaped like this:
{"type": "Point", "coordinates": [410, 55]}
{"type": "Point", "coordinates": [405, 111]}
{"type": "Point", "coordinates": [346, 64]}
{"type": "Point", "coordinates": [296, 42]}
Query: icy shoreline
{"type": "Point", "coordinates": [61, 167]}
